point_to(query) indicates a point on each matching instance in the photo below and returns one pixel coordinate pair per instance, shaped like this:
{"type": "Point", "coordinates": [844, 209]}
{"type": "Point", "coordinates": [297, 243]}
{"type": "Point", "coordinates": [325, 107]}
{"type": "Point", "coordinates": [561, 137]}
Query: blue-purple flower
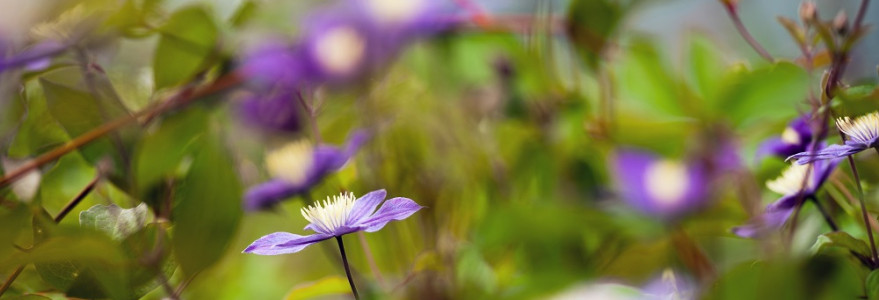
{"type": "Point", "coordinates": [862, 133]}
{"type": "Point", "coordinates": [279, 112]}
{"type": "Point", "coordinates": [335, 217]}
{"type": "Point", "coordinates": [795, 138]}
{"type": "Point", "coordinates": [791, 186]}
{"type": "Point", "coordinates": [658, 187]}
{"type": "Point", "coordinates": [298, 166]}
{"type": "Point", "coordinates": [34, 58]}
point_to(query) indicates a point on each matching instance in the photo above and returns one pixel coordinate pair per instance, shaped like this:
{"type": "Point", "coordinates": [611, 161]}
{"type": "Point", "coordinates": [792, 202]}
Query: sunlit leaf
{"type": "Point", "coordinates": [188, 38]}
{"type": "Point", "coordinates": [327, 286]}
{"type": "Point", "coordinates": [113, 220]}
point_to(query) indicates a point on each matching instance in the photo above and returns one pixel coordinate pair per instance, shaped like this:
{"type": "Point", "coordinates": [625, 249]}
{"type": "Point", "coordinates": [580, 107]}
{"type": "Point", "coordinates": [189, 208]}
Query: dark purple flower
{"type": "Point", "coordinates": [335, 217]}
{"type": "Point", "coordinates": [795, 138]}
{"type": "Point", "coordinates": [399, 22]}
{"type": "Point", "coordinates": [790, 185]}
{"type": "Point", "coordinates": [279, 112]}
{"type": "Point", "coordinates": [274, 63]}
{"type": "Point", "coordinates": [297, 167]}
{"type": "Point", "coordinates": [661, 188]}
{"type": "Point", "coordinates": [862, 133]}
{"type": "Point", "coordinates": [34, 58]}
{"type": "Point", "coordinates": [337, 46]}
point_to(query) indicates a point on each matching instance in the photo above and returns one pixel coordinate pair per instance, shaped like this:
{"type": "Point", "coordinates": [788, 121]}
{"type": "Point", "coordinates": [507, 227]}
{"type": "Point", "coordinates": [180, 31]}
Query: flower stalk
{"type": "Point", "coordinates": [347, 268]}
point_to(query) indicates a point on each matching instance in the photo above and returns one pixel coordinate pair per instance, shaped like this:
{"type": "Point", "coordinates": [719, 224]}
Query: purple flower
{"type": "Point", "coordinates": [398, 22]}
{"type": "Point", "coordinates": [332, 218]}
{"type": "Point", "coordinates": [34, 58]}
{"type": "Point", "coordinates": [862, 133]}
{"type": "Point", "coordinates": [795, 138]}
{"type": "Point", "coordinates": [274, 63]}
{"type": "Point", "coordinates": [279, 112]}
{"type": "Point", "coordinates": [297, 167]}
{"type": "Point", "coordinates": [661, 188]}
{"type": "Point", "coordinates": [337, 46]}
{"type": "Point", "coordinates": [790, 185]}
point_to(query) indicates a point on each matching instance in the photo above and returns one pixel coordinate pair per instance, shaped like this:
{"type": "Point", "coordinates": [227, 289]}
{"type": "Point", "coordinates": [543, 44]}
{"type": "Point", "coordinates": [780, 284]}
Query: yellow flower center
{"type": "Point", "coordinates": [395, 11]}
{"type": "Point", "coordinates": [862, 129]}
{"type": "Point", "coordinates": [330, 214]}
{"type": "Point", "coordinates": [340, 50]}
{"type": "Point", "coordinates": [790, 136]}
{"type": "Point", "coordinates": [791, 180]}
{"type": "Point", "coordinates": [667, 181]}
{"type": "Point", "coordinates": [291, 162]}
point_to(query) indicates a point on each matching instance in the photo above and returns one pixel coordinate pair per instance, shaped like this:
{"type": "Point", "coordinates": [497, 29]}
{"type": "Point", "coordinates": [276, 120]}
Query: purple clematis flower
{"type": "Point", "coordinates": [335, 217]}
{"type": "Point", "coordinates": [280, 112]}
{"type": "Point", "coordinates": [790, 185]}
{"type": "Point", "coordinates": [297, 167]}
{"type": "Point", "coordinates": [862, 133]}
{"type": "Point", "coordinates": [661, 188]}
{"type": "Point", "coordinates": [34, 58]}
{"type": "Point", "coordinates": [795, 138]}
{"type": "Point", "coordinates": [274, 63]}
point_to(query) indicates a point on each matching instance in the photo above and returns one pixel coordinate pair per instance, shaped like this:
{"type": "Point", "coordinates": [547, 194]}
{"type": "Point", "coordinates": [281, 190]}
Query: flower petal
{"type": "Point", "coordinates": [364, 206]}
{"type": "Point", "coordinates": [769, 221]}
{"type": "Point", "coordinates": [283, 243]}
{"type": "Point", "coordinates": [267, 194]}
{"type": "Point", "coordinates": [832, 151]}
{"type": "Point", "coordinates": [394, 209]}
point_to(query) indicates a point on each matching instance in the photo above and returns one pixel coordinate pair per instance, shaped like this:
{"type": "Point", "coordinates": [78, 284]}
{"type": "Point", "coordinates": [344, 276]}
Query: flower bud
{"type": "Point", "coordinates": [808, 12]}
{"type": "Point", "coordinates": [840, 23]}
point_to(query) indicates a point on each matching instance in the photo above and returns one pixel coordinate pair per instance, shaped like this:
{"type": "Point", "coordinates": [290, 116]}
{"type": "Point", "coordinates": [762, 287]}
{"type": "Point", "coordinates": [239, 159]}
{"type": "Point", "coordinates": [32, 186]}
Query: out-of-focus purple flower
{"type": "Point", "coordinates": [401, 21]}
{"type": "Point", "coordinates": [337, 46]}
{"type": "Point", "coordinates": [790, 185]}
{"type": "Point", "coordinates": [661, 188]}
{"type": "Point", "coordinates": [297, 167]}
{"type": "Point", "coordinates": [274, 63]}
{"type": "Point", "coordinates": [670, 286]}
{"type": "Point", "coordinates": [33, 58]}
{"type": "Point", "coordinates": [335, 217]}
{"type": "Point", "coordinates": [862, 133]}
{"type": "Point", "coordinates": [795, 138]}
{"type": "Point", "coordinates": [279, 112]}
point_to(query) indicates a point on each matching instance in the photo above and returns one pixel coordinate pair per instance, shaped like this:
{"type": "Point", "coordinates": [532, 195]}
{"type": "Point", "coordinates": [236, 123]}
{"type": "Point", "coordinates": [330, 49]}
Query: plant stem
{"type": "Point", "coordinates": [66, 210]}
{"type": "Point", "coordinates": [184, 97]}
{"type": "Point", "coordinates": [851, 163]}
{"type": "Point", "coordinates": [734, 15]}
{"type": "Point", "coordinates": [824, 213]}
{"type": "Point", "coordinates": [347, 269]}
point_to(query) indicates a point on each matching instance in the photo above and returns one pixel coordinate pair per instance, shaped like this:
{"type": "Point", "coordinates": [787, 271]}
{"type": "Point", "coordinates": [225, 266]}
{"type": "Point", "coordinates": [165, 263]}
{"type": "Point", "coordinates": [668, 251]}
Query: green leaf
{"type": "Point", "coordinates": [209, 208]}
{"type": "Point", "coordinates": [160, 153]}
{"type": "Point", "coordinates": [872, 285]}
{"type": "Point", "coordinates": [843, 240]}
{"type": "Point", "coordinates": [39, 131]}
{"type": "Point", "coordinates": [188, 38]}
{"type": "Point", "coordinates": [591, 24]}
{"type": "Point", "coordinates": [243, 14]}
{"type": "Point", "coordinates": [113, 220]}
{"type": "Point", "coordinates": [327, 286]}
{"type": "Point", "coordinates": [771, 92]}
{"type": "Point", "coordinates": [645, 84]}
{"type": "Point", "coordinates": [705, 63]}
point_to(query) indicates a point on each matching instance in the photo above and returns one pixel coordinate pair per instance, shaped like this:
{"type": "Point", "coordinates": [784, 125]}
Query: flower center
{"type": "Point", "coordinates": [395, 11]}
{"type": "Point", "coordinates": [340, 50]}
{"type": "Point", "coordinates": [791, 180]}
{"type": "Point", "coordinates": [291, 162]}
{"type": "Point", "coordinates": [862, 129]}
{"type": "Point", "coordinates": [667, 182]}
{"type": "Point", "coordinates": [329, 215]}
{"type": "Point", "coordinates": [790, 136]}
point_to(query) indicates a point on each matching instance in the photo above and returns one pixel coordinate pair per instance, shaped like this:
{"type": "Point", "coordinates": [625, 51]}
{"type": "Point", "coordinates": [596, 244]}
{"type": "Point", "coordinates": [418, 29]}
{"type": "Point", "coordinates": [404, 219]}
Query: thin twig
{"type": "Point", "coordinates": [734, 15]}
{"type": "Point", "coordinates": [64, 212]}
{"type": "Point", "coordinates": [176, 101]}
{"type": "Point", "coordinates": [370, 259]}
{"type": "Point", "coordinates": [825, 213]}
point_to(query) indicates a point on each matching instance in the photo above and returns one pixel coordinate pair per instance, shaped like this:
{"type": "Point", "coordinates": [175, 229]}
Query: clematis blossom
{"type": "Point", "coordinates": [279, 112]}
{"type": "Point", "coordinates": [862, 133]}
{"type": "Point", "coordinates": [795, 138]}
{"type": "Point", "coordinates": [335, 217]}
{"type": "Point", "coordinates": [790, 186]}
{"type": "Point", "coordinates": [657, 187]}
{"type": "Point", "coordinates": [297, 167]}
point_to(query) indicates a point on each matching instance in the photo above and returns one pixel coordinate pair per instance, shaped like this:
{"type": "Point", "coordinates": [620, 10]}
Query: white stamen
{"type": "Point", "coordinates": [790, 136]}
{"type": "Point", "coordinates": [341, 50]}
{"type": "Point", "coordinates": [291, 162]}
{"type": "Point", "coordinates": [667, 182]}
{"type": "Point", "coordinates": [330, 214]}
{"type": "Point", "coordinates": [791, 180]}
{"type": "Point", "coordinates": [862, 129]}
{"type": "Point", "coordinates": [395, 11]}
